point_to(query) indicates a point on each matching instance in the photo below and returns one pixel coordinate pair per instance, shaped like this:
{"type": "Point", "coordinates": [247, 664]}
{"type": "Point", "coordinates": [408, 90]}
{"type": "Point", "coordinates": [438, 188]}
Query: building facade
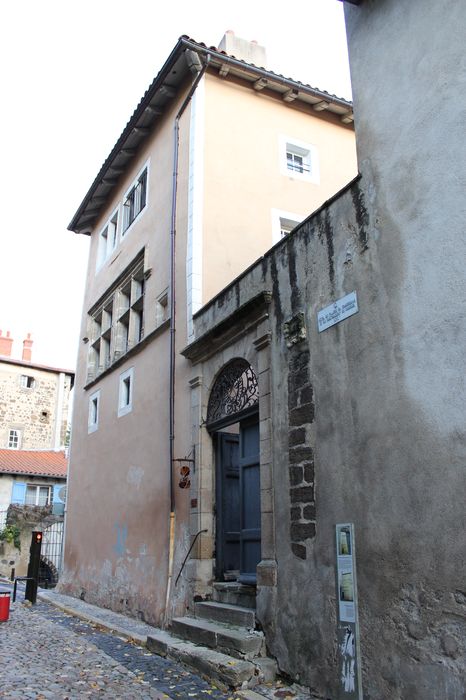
{"type": "Point", "coordinates": [342, 348]}
{"type": "Point", "coordinates": [220, 159]}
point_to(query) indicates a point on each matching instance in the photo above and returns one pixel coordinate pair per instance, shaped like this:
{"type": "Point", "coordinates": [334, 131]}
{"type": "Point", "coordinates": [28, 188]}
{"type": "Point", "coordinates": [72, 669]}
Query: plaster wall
{"type": "Point", "coordinates": [379, 463]}
{"type": "Point", "coordinates": [246, 178]}
{"type": "Point", "coordinates": [387, 429]}
{"type": "Point", "coordinates": [33, 411]}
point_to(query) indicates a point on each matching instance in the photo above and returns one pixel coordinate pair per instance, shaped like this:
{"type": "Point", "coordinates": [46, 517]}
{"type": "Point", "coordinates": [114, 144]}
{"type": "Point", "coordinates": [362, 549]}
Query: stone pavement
{"type": "Point", "coordinates": [67, 652]}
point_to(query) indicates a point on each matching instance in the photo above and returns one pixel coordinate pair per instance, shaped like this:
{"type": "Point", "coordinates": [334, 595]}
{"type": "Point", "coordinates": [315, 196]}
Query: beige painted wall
{"type": "Point", "coordinates": [244, 182]}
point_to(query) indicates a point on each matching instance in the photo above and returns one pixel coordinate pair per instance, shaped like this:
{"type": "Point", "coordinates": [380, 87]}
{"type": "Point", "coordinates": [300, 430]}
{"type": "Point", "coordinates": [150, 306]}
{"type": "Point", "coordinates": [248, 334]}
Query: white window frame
{"type": "Point", "coordinates": [125, 392]}
{"type": "Point", "coordinates": [310, 156]}
{"type": "Point", "coordinates": [25, 384]}
{"type": "Point", "coordinates": [37, 488]}
{"type": "Point", "coordinates": [138, 216]}
{"type": "Point", "coordinates": [11, 439]}
{"type": "Point", "coordinates": [105, 245]}
{"type": "Point", "coordinates": [94, 411]}
{"type": "Point", "coordinates": [280, 219]}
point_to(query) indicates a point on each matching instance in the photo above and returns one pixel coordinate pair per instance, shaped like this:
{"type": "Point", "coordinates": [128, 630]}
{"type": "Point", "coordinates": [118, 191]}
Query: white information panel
{"type": "Point", "coordinates": [348, 628]}
{"type": "Point", "coordinates": [338, 311]}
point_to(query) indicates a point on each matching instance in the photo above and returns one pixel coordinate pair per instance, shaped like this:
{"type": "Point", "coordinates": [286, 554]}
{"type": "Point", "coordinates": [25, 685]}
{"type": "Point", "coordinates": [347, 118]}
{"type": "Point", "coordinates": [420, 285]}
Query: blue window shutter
{"type": "Point", "coordinates": [58, 507]}
{"type": "Point", "coordinates": [18, 494]}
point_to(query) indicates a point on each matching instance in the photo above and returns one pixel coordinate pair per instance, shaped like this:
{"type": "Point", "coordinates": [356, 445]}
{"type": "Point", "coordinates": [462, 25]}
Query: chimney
{"type": "Point", "coordinates": [249, 51]}
{"type": "Point", "coordinates": [27, 351]}
{"type": "Point", "coordinates": [5, 344]}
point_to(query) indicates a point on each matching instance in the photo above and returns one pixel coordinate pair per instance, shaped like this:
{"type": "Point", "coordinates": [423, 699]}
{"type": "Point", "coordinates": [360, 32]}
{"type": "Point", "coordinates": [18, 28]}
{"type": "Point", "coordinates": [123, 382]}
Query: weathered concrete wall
{"type": "Point", "coordinates": [384, 458]}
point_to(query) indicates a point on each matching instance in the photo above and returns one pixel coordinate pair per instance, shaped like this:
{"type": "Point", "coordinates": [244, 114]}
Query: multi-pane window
{"type": "Point", "coordinates": [108, 239]}
{"type": "Point", "coordinates": [14, 439]}
{"type": "Point", "coordinates": [135, 200]}
{"type": "Point", "coordinates": [38, 495]}
{"type": "Point", "coordinates": [299, 160]}
{"type": "Point", "coordinates": [27, 382]}
{"type": "Point", "coordinates": [117, 323]}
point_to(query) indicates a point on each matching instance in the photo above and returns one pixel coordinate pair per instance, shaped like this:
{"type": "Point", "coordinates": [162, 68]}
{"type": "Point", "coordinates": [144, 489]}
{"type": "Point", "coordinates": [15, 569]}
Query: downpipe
{"type": "Point", "coordinates": [197, 65]}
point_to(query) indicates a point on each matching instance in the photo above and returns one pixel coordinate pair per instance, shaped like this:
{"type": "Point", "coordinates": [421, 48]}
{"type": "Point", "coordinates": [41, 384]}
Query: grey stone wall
{"type": "Point", "coordinates": [33, 411]}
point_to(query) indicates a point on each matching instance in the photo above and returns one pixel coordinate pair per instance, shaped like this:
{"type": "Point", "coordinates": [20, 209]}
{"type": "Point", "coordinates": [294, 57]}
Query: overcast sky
{"type": "Point", "coordinates": [72, 74]}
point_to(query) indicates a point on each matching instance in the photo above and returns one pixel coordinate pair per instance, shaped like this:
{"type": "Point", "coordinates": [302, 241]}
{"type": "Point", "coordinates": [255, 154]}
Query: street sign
{"type": "Point", "coordinates": [338, 311]}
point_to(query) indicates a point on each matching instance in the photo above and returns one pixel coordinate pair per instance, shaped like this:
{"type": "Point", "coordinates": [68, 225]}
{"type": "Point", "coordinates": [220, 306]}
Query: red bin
{"type": "Point", "coordinates": [4, 606]}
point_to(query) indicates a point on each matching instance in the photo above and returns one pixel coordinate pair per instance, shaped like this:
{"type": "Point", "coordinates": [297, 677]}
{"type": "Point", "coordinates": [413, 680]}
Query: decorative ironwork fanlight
{"type": "Point", "coordinates": [235, 390]}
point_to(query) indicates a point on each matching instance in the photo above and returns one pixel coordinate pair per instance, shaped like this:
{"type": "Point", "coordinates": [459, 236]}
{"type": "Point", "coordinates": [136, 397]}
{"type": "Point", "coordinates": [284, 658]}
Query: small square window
{"type": "Point", "coordinates": [299, 160]}
{"type": "Point", "coordinates": [27, 382]}
{"type": "Point", "coordinates": [125, 393]}
{"type": "Point", "coordinates": [94, 405]}
{"type": "Point", "coordinates": [283, 222]}
{"type": "Point", "coordinates": [14, 439]}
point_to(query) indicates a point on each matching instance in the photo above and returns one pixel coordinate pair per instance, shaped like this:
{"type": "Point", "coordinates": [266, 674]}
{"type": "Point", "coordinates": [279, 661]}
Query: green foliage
{"type": "Point", "coordinates": [11, 534]}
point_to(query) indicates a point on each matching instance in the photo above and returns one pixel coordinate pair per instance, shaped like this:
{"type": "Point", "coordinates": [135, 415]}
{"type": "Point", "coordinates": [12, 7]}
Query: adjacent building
{"type": "Point", "coordinates": [34, 410]}
{"type": "Point", "coordinates": [220, 160]}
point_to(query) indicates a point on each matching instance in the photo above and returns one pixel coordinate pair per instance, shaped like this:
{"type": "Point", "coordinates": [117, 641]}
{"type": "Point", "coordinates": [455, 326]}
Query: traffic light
{"type": "Point", "coordinates": [37, 537]}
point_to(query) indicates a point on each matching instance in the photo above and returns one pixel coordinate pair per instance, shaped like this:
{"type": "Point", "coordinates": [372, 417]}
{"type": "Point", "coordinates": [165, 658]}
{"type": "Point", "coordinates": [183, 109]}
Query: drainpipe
{"type": "Point", "coordinates": [196, 65]}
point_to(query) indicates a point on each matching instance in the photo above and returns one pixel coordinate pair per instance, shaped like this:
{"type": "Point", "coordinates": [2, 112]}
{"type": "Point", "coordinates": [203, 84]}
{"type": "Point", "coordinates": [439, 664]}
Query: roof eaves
{"type": "Point", "coordinates": [343, 106]}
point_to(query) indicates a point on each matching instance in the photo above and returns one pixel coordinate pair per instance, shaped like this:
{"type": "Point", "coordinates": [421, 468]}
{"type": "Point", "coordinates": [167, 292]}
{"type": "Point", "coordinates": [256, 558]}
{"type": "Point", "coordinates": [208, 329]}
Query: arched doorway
{"type": "Point", "coordinates": [233, 421]}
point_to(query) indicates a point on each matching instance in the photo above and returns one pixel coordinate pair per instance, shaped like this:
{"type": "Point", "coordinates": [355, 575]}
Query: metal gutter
{"type": "Point", "coordinates": [216, 57]}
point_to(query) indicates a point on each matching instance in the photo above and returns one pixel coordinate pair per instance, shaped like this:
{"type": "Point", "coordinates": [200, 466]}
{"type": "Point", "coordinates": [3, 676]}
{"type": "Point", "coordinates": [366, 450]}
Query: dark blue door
{"type": "Point", "coordinates": [250, 511]}
{"type": "Point", "coordinates": [238, 546]}
{"type": "Point", "coordinates": [228, 506]}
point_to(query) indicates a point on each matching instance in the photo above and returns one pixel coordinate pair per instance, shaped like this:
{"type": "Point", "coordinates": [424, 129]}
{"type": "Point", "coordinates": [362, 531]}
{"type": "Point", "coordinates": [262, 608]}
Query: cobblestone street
{"type": "Point", "coordinates": [46, 653]}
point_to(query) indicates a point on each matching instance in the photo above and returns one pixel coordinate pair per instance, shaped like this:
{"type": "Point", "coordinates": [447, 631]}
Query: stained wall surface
{"type": "Point", "coordinates": [383, 411]}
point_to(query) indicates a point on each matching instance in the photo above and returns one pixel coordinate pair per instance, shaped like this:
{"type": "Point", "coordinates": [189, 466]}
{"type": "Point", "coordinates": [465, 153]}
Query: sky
{"type": "Point", "coordinates": [72, 74]}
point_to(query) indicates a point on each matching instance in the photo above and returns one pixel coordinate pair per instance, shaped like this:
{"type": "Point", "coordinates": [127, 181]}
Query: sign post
{"type": "Point", "coordinates": [349, 660]}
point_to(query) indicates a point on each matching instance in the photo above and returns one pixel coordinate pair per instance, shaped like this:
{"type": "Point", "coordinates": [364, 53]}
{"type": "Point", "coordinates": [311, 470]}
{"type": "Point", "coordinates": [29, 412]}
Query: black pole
{"type": "Point", "coordinates": [33, 567]}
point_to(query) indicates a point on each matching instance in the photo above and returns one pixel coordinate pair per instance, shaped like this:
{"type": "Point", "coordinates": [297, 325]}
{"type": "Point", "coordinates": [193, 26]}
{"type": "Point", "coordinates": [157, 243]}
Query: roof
{"type": "Point", "coordinates": [34, 463]}
{"type": "Point", "coordinates": [187, 58]}
{"type": "Point", "coordinates": [34, 365]}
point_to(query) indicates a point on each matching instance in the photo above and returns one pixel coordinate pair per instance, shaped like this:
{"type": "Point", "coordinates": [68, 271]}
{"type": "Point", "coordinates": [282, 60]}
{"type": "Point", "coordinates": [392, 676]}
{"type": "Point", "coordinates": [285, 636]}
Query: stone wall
{"type": "Point", "coordinates": [33, 410]}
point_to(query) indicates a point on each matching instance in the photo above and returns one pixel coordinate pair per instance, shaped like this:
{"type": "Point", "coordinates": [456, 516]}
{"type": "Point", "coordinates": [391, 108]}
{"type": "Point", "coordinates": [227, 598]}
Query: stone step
{"type": "Point", "coordinates": [213, 665]}
{"type": "Point", "coordinates": [234, 593]}
{"type": "Point", "coordinates": [234, 641]}
{"type": "Point", "coordinates": [226, 613]}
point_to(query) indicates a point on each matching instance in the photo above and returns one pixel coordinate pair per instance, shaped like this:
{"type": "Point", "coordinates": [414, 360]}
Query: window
{"type": "Point", "coordinates": [38, 495]}
{"type": "Point", "coordinates": [14, 439]}
{"type": "Point", "coordinates": [135, 200]}
{"type": "Point", "coordinates": [117, 323]}
{"type": "Point", "coordinates": [27, 382]}
{"type": "Point", "coordinates": [125, 394]}
{"type": "Point", "coordinates": [299, 160]}
{"type": "Point", "coordinates": [93, 419]}
{"type": "Point", "coordinates": [108, 239]}
{"type": "Point", "coordinates": [283, 222]}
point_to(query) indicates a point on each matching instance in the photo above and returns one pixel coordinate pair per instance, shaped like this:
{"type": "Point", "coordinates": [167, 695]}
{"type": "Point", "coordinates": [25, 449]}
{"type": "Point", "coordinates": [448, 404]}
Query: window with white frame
{"type": "Point", "coordinates": [38, 495]}
{"type": "Point", "coordinates": [93, 419]}
{"type": "Point", "coordinates": [14, 439]}
{"type": "Point", "coordinates": [299, 160]}
{"type": "Point", "coordinates": [283, 222]}
{"type": "Point", "coordinates": [27, 382]}
{"type": "Point", "coordinates": [135, 200]}
{"type": "Point", "coordinates": [108, 239]}
{"type": "Point", "coordinates": [116, 323]}
{"type": "Point", "coordinates": [125, 393]}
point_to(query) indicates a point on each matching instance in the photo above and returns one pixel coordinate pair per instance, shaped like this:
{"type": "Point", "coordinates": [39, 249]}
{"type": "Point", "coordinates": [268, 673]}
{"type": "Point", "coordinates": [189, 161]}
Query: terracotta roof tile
{"type": "Point", "coordinates": [33, 462]}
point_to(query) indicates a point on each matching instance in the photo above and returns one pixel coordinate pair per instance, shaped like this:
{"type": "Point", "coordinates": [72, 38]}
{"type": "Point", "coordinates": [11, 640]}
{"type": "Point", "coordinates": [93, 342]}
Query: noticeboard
{"type": "Point", "coordinates": [348, 626]}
